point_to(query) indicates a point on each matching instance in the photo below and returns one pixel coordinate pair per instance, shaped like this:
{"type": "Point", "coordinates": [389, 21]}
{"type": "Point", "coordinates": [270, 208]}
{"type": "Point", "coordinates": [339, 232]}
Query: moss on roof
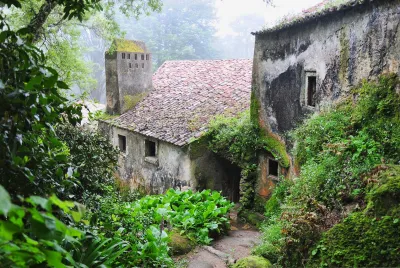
{"type": "Point", "coordinates": [128, 46]}
{"type": "Point", "coordinates": [322, 9]}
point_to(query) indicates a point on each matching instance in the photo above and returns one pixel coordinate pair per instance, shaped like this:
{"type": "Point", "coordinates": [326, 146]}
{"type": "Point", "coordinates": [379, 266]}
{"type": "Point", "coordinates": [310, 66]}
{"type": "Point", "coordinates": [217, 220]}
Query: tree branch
{"type": "Point", "coordinates": [35, 26]}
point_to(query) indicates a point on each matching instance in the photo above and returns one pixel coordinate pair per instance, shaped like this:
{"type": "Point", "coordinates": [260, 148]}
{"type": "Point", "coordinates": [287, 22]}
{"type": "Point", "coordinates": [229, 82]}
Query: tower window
{"type": "Point", "coordinates": [311, 89]}
{"type": "Point", "coordinates": [135, 56]}
{"type": "Point", "coordinates": [142, 56]}
{"type": "Point", "coordinates": [122, 143]}
{"type": "Point", "coordinates": [142, 65]}
{"type": "Point", "coordinates": [147, 56]}
{"type": "Point", "coordinates": [136, 65]}
{"type": "Point", "coordinates": [129, 56]}
{"type": "Point", "coordinates": [150, 148]}
{"type": "Point", "coordinates": [130, 65]}
{"type": "Point", "coordinates": [273, 167]}
{"type": "Point", "coordinates": [123, 55]}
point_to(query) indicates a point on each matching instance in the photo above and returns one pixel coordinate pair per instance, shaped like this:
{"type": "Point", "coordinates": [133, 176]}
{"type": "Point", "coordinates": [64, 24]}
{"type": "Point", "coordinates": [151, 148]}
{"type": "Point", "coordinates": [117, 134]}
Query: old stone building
{"type": "Point", "coordinates": [312, 60]}
{"type": "Point", "coordinates": [163, 113]}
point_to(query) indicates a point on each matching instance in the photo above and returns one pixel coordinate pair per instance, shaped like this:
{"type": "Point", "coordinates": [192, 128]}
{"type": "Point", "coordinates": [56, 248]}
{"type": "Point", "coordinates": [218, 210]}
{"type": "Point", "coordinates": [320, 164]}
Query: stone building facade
{"type": "Point", "coordinates": [313, 59]}
{"type": "Point", "coordinates": [128, 69]}
{"type": "Point", "coordinates": [157, 134]}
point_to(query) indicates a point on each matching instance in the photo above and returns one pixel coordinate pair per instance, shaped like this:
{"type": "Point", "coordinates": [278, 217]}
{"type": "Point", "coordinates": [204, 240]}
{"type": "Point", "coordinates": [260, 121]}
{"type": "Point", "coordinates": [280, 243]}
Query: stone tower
{"type": "Point", "coordinates": [128, 75]}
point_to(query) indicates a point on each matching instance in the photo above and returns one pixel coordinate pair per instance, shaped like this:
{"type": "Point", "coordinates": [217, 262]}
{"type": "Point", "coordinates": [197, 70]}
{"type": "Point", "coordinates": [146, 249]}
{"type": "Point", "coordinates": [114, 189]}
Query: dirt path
{"type": "Point", "coordinates": [226, 250]}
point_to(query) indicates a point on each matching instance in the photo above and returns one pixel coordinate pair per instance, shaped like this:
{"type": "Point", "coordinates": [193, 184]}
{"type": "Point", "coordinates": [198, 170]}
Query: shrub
{"type": "Point", "coordinates": [31, 234]}
{"type": "Point", "coordinates": [360, 241]}
{"type": "Point", "coordinates": [93, 160]}
{"type": "Point", "coordinates": [146, 222]}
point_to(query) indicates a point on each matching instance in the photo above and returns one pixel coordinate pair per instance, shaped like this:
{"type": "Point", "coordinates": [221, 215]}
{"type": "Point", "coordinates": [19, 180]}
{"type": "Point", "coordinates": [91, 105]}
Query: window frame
{"type": "Point", "coordinates": [308, 75]}
{"type": "Point", "coordinates": [122, 143]}
{"type": "Point", "coordinates": [269, 160]}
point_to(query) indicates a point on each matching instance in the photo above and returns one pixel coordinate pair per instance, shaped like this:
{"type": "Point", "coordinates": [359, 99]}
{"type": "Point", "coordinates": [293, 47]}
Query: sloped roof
{"type": "Point", "coordinates": [318, 11]}
{"type": "Point", "coordinates": [124, 45]}
{"type": "Point", "coordinates": [186, 95]}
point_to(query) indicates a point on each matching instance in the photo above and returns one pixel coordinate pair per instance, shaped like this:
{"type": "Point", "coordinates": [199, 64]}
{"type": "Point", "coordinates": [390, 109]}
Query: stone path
{"type": "Point", "coordinates": [226, 250]}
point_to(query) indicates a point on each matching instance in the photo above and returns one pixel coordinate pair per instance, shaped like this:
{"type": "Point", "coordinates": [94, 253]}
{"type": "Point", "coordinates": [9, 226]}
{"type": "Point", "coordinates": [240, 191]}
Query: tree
{"type": "Point", "coordinates": [56, 26]}
{"type": "Point", "coordinates": [183, 31]}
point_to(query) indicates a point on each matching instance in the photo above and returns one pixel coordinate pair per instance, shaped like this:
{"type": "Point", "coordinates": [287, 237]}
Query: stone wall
{"type": "Point", "coordinates": [341, 48]}
{"type": "Point", "coordinates": [126, 79]}
{"type": "Point", "coordinates": [173, 167]}
{"type": "Point", "coordinates": [169, 169]}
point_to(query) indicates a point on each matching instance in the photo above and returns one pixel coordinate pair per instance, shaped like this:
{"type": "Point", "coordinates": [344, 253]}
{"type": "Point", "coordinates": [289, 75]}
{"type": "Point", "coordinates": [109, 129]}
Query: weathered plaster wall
{"type": "Point", "coordinates": [343, 48]}
{"type": "Point", "coordinates": [170, 170]}
{"type": "Point", "coordinates": [135, 79]}
{"type": "Point", "coordinates": [174, 167]}
{"type": "Point", "coordinates": [126, 77]}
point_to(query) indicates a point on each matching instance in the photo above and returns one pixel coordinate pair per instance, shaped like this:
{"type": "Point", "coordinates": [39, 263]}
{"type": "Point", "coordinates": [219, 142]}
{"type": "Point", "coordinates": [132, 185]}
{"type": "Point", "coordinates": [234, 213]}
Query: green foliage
{"type": "Point", "coordinates": [197, 215]}
{"type": "Point", "coordinates": [57, 26]}
{"type": "Point", "coordinates": [239, 139]}
{"type": "Point", "coordinates": [32, 159]}
{"type": "Point", "coordinates": [273, 205]}
{"type": "Point", "coordinates": [31, 234]}
{"type": "Point", "coordinates": [184, 30]}
{"type": "Point", "coordinates": [92, 158]}
{"type": "Point", "coordinates": [94, 251]}
{"type": "Point", "coordinates": [234, 138]}
{"type": "Point", "coordinates": [131, 101]}
{"type": "Point", "coordinates": [252, 262]}
{"type": "Point", "coordinates": [272, 241]}
{"type": "Point", "coordinates": [349, 158]}
{"type": "Point", "coordinates": [360, 241]}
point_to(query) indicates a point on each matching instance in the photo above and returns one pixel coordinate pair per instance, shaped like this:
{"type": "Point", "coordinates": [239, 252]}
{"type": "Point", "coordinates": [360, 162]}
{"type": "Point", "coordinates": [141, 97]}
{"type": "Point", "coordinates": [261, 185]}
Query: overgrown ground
{"type": "Point", "coordinates": [344, 209]}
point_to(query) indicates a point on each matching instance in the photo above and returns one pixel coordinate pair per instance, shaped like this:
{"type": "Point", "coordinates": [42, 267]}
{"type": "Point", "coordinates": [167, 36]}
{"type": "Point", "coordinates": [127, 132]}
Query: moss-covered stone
{"type": "Point", "coordinates": [252, 262]}
{"type": "Point", "coordinates": [360, 241]}
{"type": "Point", "coordinates": [384, 196]}
{"type": "Point", "coordinates": [180, 244]}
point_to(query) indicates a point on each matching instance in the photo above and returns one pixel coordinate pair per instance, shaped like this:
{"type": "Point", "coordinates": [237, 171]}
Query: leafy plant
{"type": "Point", "coordinates": [146, 223]}
{"type": "Point", "coordinates": [31, 234]}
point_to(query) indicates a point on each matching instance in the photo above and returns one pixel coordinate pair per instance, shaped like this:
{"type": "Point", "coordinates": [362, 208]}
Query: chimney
{"type": "Point", "coordinates": [128, 75]}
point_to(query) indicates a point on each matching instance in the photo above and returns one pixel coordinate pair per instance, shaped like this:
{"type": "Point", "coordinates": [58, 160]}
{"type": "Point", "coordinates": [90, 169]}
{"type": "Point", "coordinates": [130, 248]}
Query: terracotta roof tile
{"type": "Point", "coordinates": [186, 95]}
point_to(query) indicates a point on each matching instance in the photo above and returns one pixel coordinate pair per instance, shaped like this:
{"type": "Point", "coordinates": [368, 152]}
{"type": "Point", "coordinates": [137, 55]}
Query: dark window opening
{"type": "Point", "coordinates": [311, 90]}
{"type": "Point", "coordinates": [137, 65]}
{"type": "Point", "coordinates": [130, 65]}
{"type": "Point", "coordinates": [142, 56]}
{"type": "Point", "coordinates": [273, 167]}
{"type": "Point", "coordinates": [123, 55]}
{"type": "Point", "coordinates": [150, 149]}
{"type": "Point", "coordinates": [129, 56]}
{"type": "Point", "coordinates": [122, 143]}
{"type": "Point", "coordinates": [142, 65]}
{"type": "Point", "coordinates": [135, 56]}
{"type": "Point", "coordinates": [147, 56]}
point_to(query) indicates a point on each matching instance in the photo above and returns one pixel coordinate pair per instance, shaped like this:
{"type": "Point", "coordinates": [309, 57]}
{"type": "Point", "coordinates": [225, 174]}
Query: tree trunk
{"type": "Point", "coordinates": [35, 26]}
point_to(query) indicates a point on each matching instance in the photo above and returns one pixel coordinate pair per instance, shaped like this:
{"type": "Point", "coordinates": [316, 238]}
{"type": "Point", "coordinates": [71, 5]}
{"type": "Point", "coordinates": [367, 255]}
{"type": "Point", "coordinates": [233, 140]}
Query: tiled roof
{"type": "Point", "coordinates": [186, 95]}
{"type": "Point", "coordinates": [316, 12]}
{"type": "Point", "coordinates": [124, 45]}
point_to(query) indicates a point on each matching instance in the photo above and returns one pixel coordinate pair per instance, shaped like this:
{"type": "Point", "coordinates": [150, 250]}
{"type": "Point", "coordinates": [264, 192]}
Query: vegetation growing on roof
{"type": "Point", "coordinates": [124, 45]}
{"type": "Point", "coordinates": [130, 101]}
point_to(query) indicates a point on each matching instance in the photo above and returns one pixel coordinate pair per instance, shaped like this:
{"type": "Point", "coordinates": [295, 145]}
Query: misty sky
{"type": "Point", "coordinates": [230, 10]}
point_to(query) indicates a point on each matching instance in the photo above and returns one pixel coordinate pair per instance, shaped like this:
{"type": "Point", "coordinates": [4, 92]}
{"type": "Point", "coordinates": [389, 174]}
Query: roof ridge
{"type": "Point", "coordinates": [324, 8]}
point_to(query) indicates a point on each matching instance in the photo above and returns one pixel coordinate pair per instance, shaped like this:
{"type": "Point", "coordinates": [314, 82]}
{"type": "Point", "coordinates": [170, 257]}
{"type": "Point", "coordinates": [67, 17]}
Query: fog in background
{"type": "Point", "coordinates": [195, 29]}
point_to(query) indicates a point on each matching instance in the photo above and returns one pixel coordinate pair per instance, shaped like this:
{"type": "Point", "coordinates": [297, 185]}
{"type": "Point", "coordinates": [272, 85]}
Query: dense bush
{"type": "Point", "coordinates": [339, 151]}
{"type": "Point", "coordinates": [147, 222]}
{"type": "Point", "coordinates": [93, 160]}
{"type": "Point", "coordinates": [32, 159]}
